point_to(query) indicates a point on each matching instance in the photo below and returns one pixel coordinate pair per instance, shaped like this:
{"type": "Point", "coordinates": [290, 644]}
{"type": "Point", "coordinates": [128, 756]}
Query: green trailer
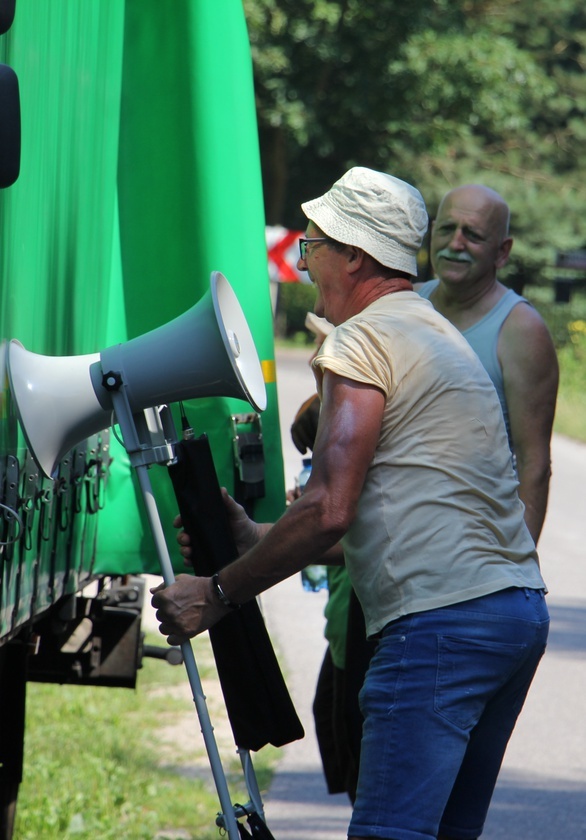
{"type": "Point", "coordinates": [130, 172]}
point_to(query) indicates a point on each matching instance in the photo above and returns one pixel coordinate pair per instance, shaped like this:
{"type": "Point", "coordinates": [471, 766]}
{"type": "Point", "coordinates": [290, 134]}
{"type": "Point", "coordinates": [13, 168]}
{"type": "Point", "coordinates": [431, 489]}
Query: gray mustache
{"type": "Point", "coordinates": [456, 256]}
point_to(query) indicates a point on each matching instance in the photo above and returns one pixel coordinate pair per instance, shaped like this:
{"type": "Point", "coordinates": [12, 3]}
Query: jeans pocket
{"type": "Point", "coordinates": [469, 673]}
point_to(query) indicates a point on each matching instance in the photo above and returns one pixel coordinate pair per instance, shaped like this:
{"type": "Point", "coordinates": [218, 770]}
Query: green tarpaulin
{"type": "Point", "coordinates": [140, 174]}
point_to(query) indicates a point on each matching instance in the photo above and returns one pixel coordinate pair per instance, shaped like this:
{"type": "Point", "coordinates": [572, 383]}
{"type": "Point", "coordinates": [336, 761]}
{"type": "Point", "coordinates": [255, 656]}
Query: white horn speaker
{"type": "Point", "coordinates": [208, 351]}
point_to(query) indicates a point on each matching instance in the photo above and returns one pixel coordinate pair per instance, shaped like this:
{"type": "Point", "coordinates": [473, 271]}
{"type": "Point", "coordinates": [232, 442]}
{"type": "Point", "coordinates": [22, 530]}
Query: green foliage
{"type": "Point", "coordinates": [558, 316]}
{"type": "Point", "coordinates": [567, 324]}
{"type": "Point", "coordinates": [461, 83]}
{"type": "Point", "coordinates": [322, 86]}
{"type": "Point", "coordinates": [571, 407]}
{"type": "Point", "coordinates": [294, 302]}
{"type": "Point", "coordinates": [97, 765]}
{"type": "Point", "coordinates": [439, 93]}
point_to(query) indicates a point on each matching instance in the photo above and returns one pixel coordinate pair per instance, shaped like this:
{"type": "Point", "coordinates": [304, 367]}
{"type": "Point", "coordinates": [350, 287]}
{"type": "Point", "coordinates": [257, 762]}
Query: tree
{"type": "Point", "coordinates": [441, 92]}
{"type": "Point", "coordinates": [322, 81]}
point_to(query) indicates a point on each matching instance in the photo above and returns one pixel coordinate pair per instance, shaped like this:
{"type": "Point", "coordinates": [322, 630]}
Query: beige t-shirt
{"type": "Point", "coordinates": [439, 520]}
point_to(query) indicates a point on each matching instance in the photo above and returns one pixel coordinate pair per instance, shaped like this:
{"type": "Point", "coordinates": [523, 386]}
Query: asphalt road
{"type": "Point", "coordinates": [542, 788]}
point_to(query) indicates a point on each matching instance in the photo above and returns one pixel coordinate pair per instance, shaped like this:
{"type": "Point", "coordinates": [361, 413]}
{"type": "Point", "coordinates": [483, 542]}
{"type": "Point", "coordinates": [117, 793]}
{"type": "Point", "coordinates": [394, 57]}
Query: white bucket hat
{"type": "Point", "coordinates": [383, 215]}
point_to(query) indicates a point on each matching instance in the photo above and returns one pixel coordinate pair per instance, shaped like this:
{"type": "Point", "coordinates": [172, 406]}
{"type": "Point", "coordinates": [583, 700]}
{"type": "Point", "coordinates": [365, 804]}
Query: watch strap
{"type": "Point", "coordinates": [221, 595]}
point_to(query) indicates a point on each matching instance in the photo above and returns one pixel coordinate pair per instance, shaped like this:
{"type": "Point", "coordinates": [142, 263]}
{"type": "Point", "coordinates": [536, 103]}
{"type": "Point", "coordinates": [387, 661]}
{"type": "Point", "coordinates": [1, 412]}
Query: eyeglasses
{"type": "Point", "coordinates": [303, 244]}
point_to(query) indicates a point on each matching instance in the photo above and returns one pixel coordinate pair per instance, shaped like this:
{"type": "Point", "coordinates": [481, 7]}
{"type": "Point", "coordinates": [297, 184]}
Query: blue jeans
{"type": "Point", "coordinates": [440, 701]}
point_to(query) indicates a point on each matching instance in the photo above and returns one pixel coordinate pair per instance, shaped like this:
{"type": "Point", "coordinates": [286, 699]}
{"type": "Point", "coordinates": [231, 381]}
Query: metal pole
{"type": "Point", "coordinates": [189, 659]}
{"type": "Point", "coordinates": [137, 451]}
{"type": "Point", "coordinates": [251, 782]}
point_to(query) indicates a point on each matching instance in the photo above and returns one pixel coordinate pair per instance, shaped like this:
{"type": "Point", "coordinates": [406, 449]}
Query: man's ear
{"type": "Point", "coordinates": [504, 252]}
{"type": "Point", "coordinates": [354, 258]}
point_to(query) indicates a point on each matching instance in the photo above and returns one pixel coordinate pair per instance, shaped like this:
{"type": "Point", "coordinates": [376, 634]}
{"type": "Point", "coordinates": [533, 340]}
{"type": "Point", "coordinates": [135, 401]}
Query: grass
{"type": "Point", "coordinates": [567, 324]}
{"type": "Point", "coordinates": [570, 419]}
{"type": "Point", "coordinates": [127, 765]}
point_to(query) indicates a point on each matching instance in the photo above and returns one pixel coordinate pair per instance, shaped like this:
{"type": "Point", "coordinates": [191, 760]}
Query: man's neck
{"type": "Point", "coordinates": [371, 289]}
{"type": "Point", "coordinates": [465, 306]}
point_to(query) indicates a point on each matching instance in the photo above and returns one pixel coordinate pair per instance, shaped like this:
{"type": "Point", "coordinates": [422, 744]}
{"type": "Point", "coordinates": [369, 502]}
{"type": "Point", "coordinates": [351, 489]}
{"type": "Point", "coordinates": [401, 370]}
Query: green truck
{"type": "Point", "coordinates": [129, 173]}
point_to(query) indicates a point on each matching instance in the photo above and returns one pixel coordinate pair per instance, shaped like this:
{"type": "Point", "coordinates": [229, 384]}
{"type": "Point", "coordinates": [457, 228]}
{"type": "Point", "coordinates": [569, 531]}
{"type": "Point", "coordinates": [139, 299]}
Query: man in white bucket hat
{"type": "Point", "coordinates": [381, 214]}
{"type": "Point", "coordinates": [413, 475]}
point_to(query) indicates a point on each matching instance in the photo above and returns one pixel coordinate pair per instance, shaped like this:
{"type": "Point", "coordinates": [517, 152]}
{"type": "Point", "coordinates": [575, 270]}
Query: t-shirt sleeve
{"type": "Point", "coordinates": [356, 351]}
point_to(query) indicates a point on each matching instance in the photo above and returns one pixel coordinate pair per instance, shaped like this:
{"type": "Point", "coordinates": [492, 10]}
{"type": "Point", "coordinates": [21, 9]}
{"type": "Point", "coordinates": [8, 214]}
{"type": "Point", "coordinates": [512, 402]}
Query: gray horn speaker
{"type": "Point", "coordinates": [206, 352]}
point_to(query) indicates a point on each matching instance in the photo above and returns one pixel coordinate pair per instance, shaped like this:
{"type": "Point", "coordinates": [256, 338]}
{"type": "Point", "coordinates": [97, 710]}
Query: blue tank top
{"type": "Point", "coordinates": [483, 338]}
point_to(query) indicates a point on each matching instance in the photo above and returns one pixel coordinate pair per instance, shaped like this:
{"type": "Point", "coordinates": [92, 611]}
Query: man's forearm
{"type": "Point", "coordinates": [301, 537]}
{"type": "Point", "coordinates": [534, 492]}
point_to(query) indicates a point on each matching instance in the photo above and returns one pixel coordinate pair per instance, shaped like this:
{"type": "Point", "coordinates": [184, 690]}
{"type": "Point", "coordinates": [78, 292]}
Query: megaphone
{"type": "Point", "coordinates": [208, 351]}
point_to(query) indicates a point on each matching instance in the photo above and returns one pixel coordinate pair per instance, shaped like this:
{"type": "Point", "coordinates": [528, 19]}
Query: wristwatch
{"type": "Point", "coordinates": [221, 594]}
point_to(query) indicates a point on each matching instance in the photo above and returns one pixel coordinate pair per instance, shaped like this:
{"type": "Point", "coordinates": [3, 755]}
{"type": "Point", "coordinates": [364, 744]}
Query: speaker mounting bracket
{"type": "Point", "coordinates": [149, 436]}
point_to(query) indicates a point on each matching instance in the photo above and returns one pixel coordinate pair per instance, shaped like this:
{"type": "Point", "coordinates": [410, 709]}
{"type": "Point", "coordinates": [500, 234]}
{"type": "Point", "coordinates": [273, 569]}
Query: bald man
{"type": "Point", "coordinates": [470, 242]}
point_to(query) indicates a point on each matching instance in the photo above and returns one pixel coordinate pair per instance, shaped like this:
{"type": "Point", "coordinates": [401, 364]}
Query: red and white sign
{"type": "Point", "coordinates": [283, 253]}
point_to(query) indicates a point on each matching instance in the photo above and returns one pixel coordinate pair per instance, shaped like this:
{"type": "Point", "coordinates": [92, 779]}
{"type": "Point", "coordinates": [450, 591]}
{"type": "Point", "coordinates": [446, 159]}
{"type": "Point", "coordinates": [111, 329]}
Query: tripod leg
{"type": "Point", "coordinates": [251, 782]}
{"type": "Point", "coordinates": [255, 816]}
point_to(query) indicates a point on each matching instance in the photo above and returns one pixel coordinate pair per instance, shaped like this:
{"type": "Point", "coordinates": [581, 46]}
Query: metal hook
{"type": "Point", "coordinates": [15, 515]}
